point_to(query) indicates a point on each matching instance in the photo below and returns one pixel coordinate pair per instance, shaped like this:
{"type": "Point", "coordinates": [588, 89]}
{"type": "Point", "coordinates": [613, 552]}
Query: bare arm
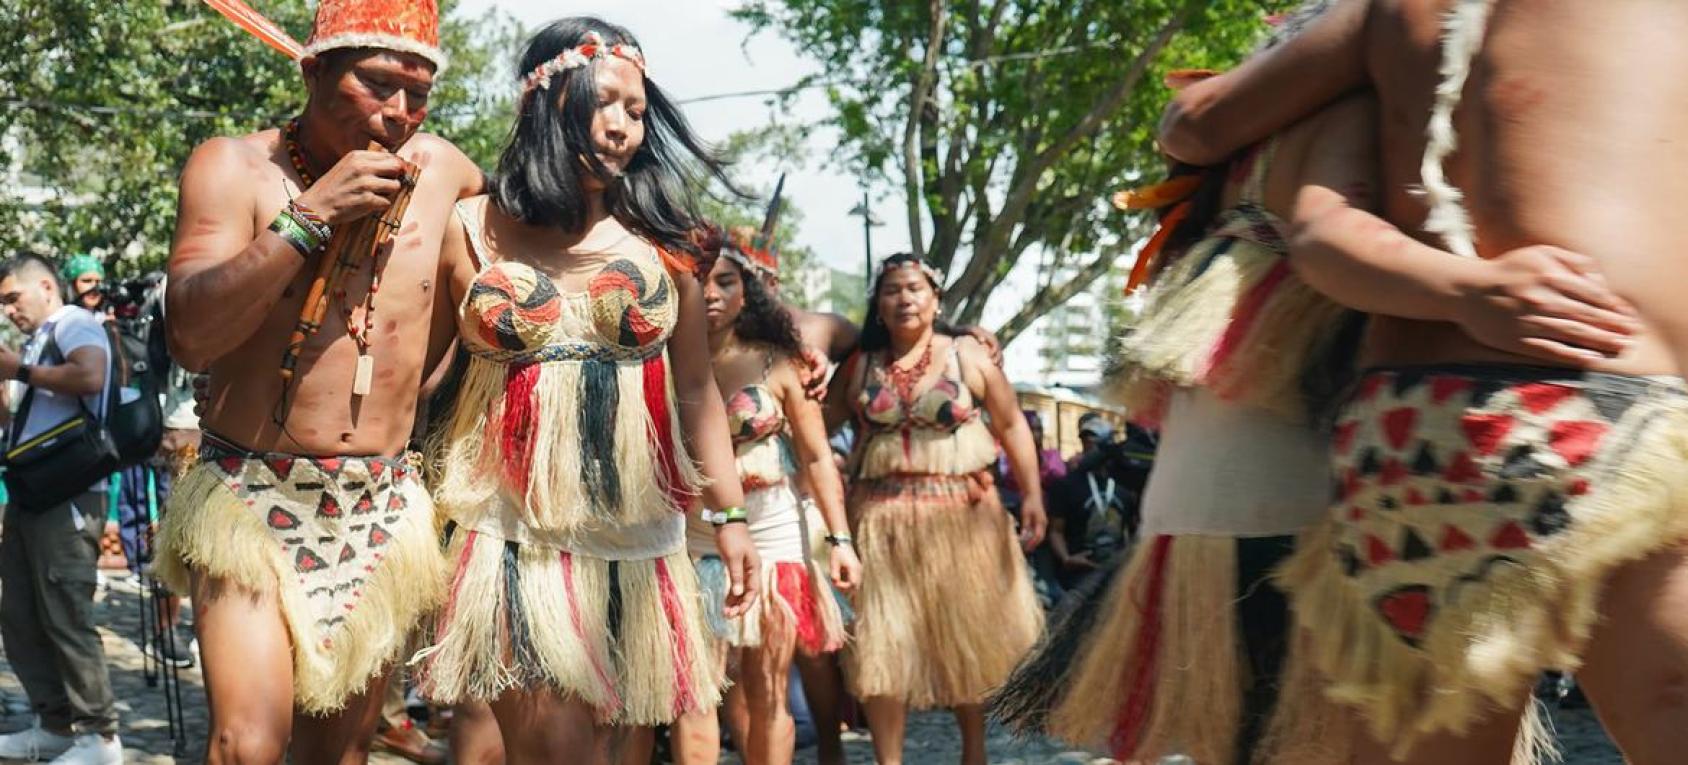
{"type": "Point", "coordinates": [834, 335]}
{"type": "Point", "coordinates": [1009, 427]}
{"type": "Point", "coordinates": [1539, 301]}
{"type": "Point", "coordinates": [840, 393]}
{"type": "Point", "coordinates": [820, 473]}
{"type": "Point", "coordinates": [703, 419]}
{"type": "Point", "coordinates": [1212, 119]}
{"type": "Point", "coordinates": [227, 271]}
{"type": "Point", "coordinates": [83, 372]}
{"type": "Point", "coordinates": [451, 283]}
{"type": "Point", "coordinates": [224, 276]}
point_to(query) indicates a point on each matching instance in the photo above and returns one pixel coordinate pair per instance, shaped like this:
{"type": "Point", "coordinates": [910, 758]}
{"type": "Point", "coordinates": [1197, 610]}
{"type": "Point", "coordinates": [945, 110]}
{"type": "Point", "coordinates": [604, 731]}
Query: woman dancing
{"type": "Point", "coordinates": [565, 463]}
{"type": "Point", "coordinates": [947, 607]}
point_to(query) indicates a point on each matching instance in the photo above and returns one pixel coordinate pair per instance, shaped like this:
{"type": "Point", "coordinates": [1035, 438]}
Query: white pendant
{"type": "Point", "coordinates": [365, 376]}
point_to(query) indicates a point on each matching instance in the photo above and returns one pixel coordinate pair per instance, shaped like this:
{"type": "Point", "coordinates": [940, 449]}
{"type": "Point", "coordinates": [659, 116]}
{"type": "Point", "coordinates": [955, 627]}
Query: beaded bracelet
{"type": "Point", "coordinates": [296, 235]}
{"type": "Point", "coordinates": [726, 516]}
{"type": "Point", "coordinates": [310, 220]}
{"type": "Point", "coordinates": [841, 540]}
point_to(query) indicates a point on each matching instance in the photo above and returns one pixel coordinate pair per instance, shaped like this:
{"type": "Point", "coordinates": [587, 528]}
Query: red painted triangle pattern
{"type": "Point", "coordinates": [1422, 501]}
{"type": "Point", "coordinates": [333, 538]}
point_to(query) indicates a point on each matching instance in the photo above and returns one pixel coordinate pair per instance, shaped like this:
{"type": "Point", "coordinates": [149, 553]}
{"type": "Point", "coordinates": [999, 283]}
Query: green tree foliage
{"type": "Point", "coordinates": [1005, 123]}
{"type": "Point", "coordinates": [101, 102]}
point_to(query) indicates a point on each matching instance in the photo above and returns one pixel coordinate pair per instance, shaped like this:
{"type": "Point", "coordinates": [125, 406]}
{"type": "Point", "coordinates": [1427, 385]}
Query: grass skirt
{"type": "Point", "coordinates": [1129, 665]}
{"type": "Point", "coordinates": [796, 596]}
{"type": "Point", "coordinates": [626, 637]}
{"type": "Point", "coordinates": [1479, 512]}
{"type": "Point", "coordinates": [946, 607]}
{"type": "Point", "coordinates": [347, 546]}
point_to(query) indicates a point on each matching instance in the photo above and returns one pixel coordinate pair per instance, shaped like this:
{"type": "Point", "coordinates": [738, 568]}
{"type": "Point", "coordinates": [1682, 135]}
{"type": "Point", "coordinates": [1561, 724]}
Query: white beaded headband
{"type": "Point", "coordinates": [579, 56]}
{"type": "Point", "coordinates": [891, 262]}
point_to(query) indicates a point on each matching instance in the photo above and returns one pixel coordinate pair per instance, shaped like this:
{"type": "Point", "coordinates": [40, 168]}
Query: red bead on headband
{"type": "Point", "coordinates": [581, 55]}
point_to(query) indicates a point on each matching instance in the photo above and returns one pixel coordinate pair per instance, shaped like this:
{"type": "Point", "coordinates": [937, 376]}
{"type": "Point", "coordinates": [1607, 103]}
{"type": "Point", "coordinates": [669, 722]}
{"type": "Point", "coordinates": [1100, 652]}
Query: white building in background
{"type": "Point", "coordinates": [1067, 347]}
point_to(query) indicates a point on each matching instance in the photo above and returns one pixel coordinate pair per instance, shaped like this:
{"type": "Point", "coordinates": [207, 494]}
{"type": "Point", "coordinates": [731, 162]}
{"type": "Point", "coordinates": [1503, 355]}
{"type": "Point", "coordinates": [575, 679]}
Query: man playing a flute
{"type": "Point", "coordinates": [303, 534]}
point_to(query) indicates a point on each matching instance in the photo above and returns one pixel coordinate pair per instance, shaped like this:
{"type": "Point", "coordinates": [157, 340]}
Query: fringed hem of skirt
{"type": "Point", "coordinates": [628, 637]}
{"type": "Point", "coordinates": [1166, 643]}
{"type": "Point", "coordinates": [1024, 701]}
{"type": "Point", "coordinates": [211, 530]}
{"type": "Point", "coordinates": [796, 597]}
{"type": "Point", "coordinates": [1485, 654]}
{"type": "Point", "coordinates": [948, 609]}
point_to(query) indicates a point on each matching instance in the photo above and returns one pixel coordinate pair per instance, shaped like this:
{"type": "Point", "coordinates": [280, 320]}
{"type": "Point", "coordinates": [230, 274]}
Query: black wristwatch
{"type": "Point", "coordinates": [22, 375]}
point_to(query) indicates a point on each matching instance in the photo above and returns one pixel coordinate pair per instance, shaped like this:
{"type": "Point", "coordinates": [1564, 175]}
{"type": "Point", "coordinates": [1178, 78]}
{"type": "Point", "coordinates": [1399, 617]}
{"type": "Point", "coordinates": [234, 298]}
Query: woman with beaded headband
{"type": "Point", "coordinates": [781, 442]}
{"type": "Point", "coordinates": [947, 607]}
{"type": "Point", "coordinates": [565, 463]}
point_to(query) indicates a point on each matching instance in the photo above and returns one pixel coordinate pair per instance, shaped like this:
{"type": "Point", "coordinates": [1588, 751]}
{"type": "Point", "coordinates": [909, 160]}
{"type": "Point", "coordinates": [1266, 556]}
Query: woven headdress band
{"type": "Point", "coordinates": [892, 262]}
{"type": "Point", "coordinates": [579, 56]}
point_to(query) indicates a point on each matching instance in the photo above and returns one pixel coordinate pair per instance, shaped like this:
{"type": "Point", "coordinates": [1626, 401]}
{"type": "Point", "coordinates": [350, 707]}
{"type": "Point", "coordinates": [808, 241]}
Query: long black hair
{"type": "Point", "coordinates": [875, 335]}
{"type": "Point", "coordinates": [763, 319]}
{"type": "Point", "coordinates": [540, 171]}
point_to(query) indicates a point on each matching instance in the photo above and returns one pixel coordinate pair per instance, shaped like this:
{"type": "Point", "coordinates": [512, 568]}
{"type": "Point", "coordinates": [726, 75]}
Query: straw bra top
{"type": "Point", "coordinates": [754, 415]}
{"type": "Point", "coordinates": [945, 405]}
{"type": "Point", "coordinates": [515, 313]}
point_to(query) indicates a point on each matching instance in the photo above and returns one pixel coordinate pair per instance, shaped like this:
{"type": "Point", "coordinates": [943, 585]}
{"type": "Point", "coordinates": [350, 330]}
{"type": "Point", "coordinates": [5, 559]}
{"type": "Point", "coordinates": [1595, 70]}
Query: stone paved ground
{"type": "Point", "coordinates": [931, 737]}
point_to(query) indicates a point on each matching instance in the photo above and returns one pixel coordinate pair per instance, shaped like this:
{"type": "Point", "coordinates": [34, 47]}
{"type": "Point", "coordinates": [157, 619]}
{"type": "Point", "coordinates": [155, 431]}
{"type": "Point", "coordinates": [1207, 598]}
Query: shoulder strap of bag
{"type": "Point", "coordinates": [21, 417]}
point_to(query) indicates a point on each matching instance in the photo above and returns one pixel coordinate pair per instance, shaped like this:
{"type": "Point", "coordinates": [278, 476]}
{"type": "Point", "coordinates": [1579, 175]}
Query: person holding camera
{"type": "Point", "coordinates": [50, 544]}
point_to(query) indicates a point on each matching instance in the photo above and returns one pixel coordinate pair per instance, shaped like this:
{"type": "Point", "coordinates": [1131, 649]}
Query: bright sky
{"type": "Point", "coordinates": [695, 49]}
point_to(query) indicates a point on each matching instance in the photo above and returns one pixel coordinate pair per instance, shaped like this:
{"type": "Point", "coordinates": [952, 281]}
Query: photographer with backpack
{"type": "Point", "coordinates": [57, 458]}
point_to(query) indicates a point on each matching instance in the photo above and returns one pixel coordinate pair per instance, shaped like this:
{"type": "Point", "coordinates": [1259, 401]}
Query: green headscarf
{"type": "Point", "coordinates": [78, 265]}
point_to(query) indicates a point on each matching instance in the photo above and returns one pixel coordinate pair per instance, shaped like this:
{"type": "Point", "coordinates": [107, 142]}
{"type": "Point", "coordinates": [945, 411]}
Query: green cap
{"type": "Point", "coordinates": [80, 264]}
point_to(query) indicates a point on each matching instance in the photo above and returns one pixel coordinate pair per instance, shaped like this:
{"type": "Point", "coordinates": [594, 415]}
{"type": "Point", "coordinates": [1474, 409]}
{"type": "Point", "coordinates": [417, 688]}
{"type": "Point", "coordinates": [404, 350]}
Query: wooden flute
{"type": "Point", "coordinates": [353, 243]}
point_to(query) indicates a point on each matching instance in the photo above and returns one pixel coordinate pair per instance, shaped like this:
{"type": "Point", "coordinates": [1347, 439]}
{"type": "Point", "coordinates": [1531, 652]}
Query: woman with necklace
{"type": "Point", "coordinates": [564, 464]}
{"type": "Point", "coordinates": [947, 607]}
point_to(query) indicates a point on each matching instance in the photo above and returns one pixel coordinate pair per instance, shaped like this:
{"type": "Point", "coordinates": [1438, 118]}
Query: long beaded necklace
{"type": "Point", "coordinates": [361, 334]}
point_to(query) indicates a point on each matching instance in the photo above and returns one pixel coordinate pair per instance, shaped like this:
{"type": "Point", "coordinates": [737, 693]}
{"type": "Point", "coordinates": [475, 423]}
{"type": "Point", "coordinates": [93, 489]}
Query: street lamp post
{"type": "Point", "coordinates": [868, 222]}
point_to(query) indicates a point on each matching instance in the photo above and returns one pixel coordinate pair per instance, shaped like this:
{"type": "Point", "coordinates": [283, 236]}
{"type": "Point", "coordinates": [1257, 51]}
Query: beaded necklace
{"type": "Point", "coordinates": [904, 380]}
{"type": "Point", "coordinates": [290, 137]}
{"type": "Point", "coordinates": [361, 334]}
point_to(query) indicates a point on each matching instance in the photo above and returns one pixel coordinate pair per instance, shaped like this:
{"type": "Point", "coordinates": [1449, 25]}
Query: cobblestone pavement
{"type": "Point", "coordinates": [932, 737]}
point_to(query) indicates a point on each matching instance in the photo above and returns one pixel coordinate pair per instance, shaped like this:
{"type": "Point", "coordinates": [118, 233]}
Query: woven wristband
{"type": "Point", "coordinates": [294, 234]}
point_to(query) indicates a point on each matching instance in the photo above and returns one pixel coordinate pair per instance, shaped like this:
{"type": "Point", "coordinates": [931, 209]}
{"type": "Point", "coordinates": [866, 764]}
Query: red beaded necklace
{"type": "Point", "coordinates": [904, 380]}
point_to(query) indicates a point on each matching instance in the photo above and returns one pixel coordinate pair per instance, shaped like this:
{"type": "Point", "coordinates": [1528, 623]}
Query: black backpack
{"type": "Point", "coordinates": [136, 422]}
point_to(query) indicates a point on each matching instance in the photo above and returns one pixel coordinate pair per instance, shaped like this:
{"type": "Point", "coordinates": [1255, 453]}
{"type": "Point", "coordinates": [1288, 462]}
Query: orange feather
{"type": "Point", "coordinates": [258, 26]}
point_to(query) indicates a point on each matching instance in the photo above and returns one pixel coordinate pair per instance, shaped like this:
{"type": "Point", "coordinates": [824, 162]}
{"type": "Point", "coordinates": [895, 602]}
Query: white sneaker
{"type": "Point", "coordinates": [33, 744]}
{"type": "Point", "coordinates": [92, 749]}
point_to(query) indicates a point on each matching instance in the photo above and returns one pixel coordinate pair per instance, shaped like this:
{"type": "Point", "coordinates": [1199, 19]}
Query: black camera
{"type": "Point", "coordinates": [128, 298]}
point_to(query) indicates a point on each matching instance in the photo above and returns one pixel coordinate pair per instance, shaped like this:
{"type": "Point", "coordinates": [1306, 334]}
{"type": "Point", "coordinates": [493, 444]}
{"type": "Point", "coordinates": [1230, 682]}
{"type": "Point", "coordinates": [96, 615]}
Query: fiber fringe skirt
{"type": "Point", "coordinates": [797, 594]}
{"type": "Point", "coordinates": [1479, 512]}
{"type": "Point", "coordinates": [1185, 623]}
{"type": "Point", "coordinates": [626, 637]}
{"type": "Point", "coordinates": [347, 546]}
{"type": "Point", "coordinates": [946, 607]}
